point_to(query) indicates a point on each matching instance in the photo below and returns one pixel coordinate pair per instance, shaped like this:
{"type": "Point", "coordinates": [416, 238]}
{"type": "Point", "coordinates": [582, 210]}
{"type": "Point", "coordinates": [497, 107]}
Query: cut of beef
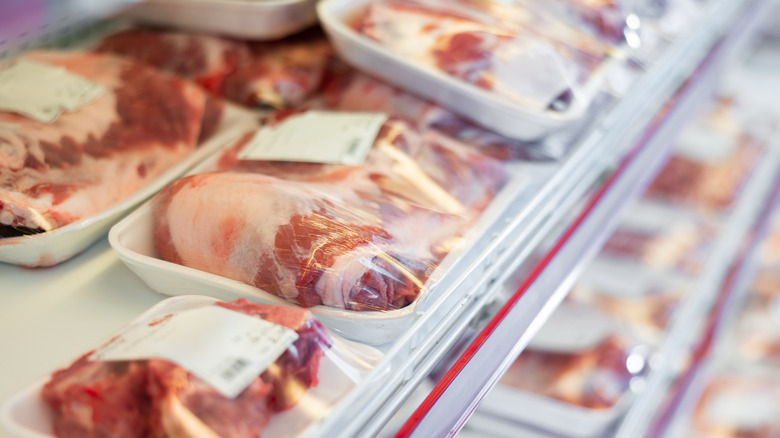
{"type": "Point", "coordinates": [354, 237]}
{"type": "Point", "coordinates": [308, 243]}
{"type": "Point", "coordinates": [279, 74]}
{"type": "Point", "coordinates": [91, 158]}
{"type": "Point", "coordinates": [348, 90]}
{"type": "Point", "coordinates": [156, 398]}
{"type": "Point", "coordinates": [204, 59]}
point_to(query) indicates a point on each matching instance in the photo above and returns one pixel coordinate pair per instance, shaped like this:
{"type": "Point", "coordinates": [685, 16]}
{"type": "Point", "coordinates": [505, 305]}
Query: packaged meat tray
{"type": "Point", "coordinates": [247, 19]}
{"type": "Point", "coordinates": [503, 66]}
{"type": "Point", "coordinates": [642, 300]}
{"type": "Point", "coordinates": [575, 378]}
{"type": "Point", "coordinates": [362, 245]}
{"type": "Point", "coordinates": [93, 136]}
{"type": "Point", "coordinates": [713, 158]}
{"type": "Point", "coordinates": [730, 401]}
{"type": "Point", "coordinates": [196, 366]}
{"type": "Point", "coordinates": [662, 238]}
{"type": "Point", "coordinates": [257, 74]}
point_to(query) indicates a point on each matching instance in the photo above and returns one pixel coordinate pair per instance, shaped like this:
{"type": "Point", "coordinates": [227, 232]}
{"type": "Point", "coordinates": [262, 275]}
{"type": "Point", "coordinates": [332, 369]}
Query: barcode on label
{"type": "Point", "coordinates": [234, 368]}
{"type": "Point", "coordinates": [354, 144]}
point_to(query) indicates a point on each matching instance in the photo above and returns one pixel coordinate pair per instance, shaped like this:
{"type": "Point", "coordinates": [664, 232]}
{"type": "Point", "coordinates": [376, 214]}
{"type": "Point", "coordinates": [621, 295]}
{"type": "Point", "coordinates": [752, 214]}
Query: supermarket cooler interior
{"type": "Point", "coordinates": [595, 185]}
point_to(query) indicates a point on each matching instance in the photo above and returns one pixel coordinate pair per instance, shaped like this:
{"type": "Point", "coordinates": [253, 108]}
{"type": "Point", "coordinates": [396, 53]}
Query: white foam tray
{"type": "Point", "coordinates": [248, 19]}
{"type": "Point", "coordinates": [501, 115]}
{"type": "Point", "coordinates": [56, 246]}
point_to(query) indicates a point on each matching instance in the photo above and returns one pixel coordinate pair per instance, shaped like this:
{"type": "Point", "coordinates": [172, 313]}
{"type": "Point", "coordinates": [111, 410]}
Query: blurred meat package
{"type": "Point", "coordinates": [712, 160]}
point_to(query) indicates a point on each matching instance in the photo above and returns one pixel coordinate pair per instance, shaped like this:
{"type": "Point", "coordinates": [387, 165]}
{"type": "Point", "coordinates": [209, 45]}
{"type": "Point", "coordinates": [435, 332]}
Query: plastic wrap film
{"type": "Point", "coordinates": [277, 74]}
{"type": "Point", "coordinates": [713, 158]}
{"type": "Point", "coordinates": [93, 155]}
{"type": "Point", "coordinates": [363, 237]}
{"type": "Point", "coordinates": [347, 89]}
{"type": "Point", "coordinates": [504, 48]}
{"type": "Point", "coordinates": [303, 372]}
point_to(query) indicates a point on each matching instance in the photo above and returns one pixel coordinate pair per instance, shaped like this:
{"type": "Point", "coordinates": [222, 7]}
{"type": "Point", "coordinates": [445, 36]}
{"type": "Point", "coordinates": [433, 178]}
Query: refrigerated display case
{"type": "Point", "coordinates": [560, 211]}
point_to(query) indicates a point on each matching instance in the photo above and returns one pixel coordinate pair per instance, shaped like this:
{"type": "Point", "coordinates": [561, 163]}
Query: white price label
{"type": "Point", "coordinates": [317, 137]}
{"type": "Point", "coordinates": [226, 349]}
{"type": "Point", "coordinates": [42, 92]}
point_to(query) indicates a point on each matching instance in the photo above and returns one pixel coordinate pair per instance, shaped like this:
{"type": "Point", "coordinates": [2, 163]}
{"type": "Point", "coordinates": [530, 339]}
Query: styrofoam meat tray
{"type": "Point", "coordinates": [506, 408]}
{"type": "Point", "coordinates": [501, 115]}
{"type": "Point", "coordinates": [56, 246]}
{"type": "Point", "coordinates": [248, 19]}
{"type": "Point", "coordinates": [27, 416]}
{"type": "Point", "coordinates": [131, 239]}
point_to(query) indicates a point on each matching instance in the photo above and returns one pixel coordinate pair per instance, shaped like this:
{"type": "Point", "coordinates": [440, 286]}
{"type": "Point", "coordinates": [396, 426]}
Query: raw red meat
{"type": "Point", "coordinates": [99, 399]}
{"type": "Point", "coordinates": [278, 74]}
{"type": "Point", "coordinates": [89, 159]}
{"type": "Point", "coordinates": [156, 398]}
{"type": "Point", "coordinates": [205, 59]}
{"type": "Point", "coordinates": [593, 379]}
{"type": "Point", "coordinates": [306, 242]}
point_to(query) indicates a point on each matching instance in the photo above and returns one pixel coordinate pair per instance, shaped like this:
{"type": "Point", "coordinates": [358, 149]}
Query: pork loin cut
{"type": "Point", "coordinates": [156, 398]}
{"type": "Point", "coordinates": [89, 159]}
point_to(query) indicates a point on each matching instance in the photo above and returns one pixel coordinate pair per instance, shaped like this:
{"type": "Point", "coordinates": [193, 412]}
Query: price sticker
{"type": "Point", "coordinates": [317, 137]}
{"type": "Point", "coordinates": [43, 92]}
{"type": "Point", "coordinates": [226, 349]}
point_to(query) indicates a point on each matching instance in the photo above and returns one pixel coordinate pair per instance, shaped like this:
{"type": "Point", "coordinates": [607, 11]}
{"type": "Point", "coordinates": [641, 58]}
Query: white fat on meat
{"type": "Point", "coordinates": [243, 199]}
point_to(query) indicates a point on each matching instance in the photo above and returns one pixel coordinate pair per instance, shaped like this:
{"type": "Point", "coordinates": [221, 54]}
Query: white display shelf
{"type": "Point", "coordinates": [49, 316]}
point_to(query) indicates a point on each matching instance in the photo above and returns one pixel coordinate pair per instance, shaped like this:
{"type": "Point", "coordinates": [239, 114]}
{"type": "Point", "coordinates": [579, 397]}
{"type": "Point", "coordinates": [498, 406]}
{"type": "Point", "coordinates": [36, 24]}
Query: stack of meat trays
{"type": "Point", "coordinates": [577, 376]}
{"type": "Point", "coordinates": [197, 366]}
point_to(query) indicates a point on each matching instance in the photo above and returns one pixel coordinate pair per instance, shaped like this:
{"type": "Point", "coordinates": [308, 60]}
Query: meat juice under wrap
{"type": "Point", "coordinates": [157, 398]}
{"type": "Point", "coordinates": [89, 159]}
{"type": "Point", "coordinates": [354, 237]}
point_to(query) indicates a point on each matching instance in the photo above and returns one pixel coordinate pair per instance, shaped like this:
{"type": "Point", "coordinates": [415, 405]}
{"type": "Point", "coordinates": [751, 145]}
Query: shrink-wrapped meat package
{"type": "Point", "coordinates": [196, 366]}
{"type": "Point", "coordinates": [278, 74]}
{"type": "Point", "coordinates": [89, 132]}
{"type": "Point", "coordinates": [357, 237]}
{"type": "Point", "coordinates": [713, 158]}
{"type": "Point", "coordinates": [519, 69]}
